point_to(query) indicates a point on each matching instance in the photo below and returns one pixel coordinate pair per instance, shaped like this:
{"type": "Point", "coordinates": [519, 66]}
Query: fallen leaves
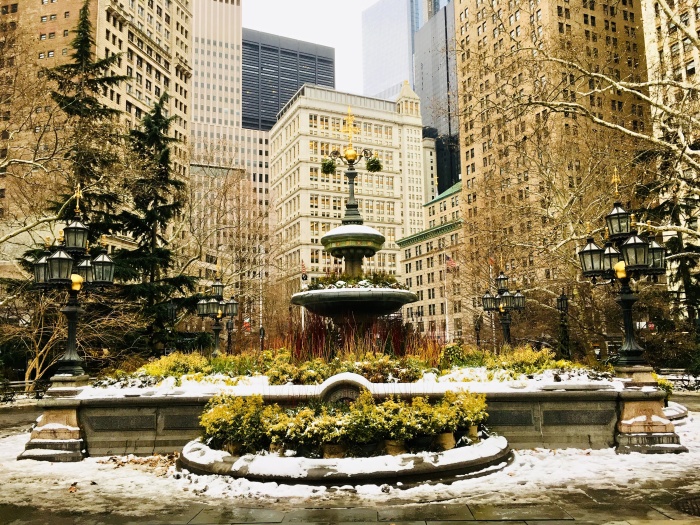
{"type": "Point", "coordinates": [159, 464]}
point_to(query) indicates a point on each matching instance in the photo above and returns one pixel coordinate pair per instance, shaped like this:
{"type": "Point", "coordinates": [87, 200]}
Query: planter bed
{"type": "Point", "coordinates": [488, 456]}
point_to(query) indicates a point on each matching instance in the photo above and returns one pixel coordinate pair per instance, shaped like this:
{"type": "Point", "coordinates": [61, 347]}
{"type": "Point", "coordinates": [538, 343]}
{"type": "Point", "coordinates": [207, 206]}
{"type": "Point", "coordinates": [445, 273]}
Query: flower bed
{"type": "Point", "coordinates": [458, 363]}
{"type": "Point", "coordinates": [247, 425]}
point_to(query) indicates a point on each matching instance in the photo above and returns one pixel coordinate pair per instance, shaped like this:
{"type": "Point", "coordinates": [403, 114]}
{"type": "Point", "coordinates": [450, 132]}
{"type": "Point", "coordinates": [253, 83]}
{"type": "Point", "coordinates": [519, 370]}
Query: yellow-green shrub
{"type": "Point", "coordinates": [229, 420]}
{"type": "Point", "coordinates": [463, 409]}
{"type": "Point", "coordinates": [177, 364]}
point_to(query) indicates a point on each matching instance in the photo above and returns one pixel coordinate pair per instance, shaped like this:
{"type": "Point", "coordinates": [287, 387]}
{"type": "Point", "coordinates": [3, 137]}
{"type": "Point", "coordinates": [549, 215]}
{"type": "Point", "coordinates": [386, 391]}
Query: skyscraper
{"type": "Point", "coordinates": [436, 85]}
{"type": "Point", "coordinates": [387, 46]}
{"type": "Point", "coordinates": [274, 68]}
{"type": "Point", "coordinates": [535, 164]}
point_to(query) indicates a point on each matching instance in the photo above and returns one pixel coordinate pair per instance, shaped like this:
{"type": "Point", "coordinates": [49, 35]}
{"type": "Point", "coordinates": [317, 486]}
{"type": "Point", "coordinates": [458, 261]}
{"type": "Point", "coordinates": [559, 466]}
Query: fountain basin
{"type": "Point", "coordinates": [352, 239]}
{"type": "Point", "coordinates": [358, 302]}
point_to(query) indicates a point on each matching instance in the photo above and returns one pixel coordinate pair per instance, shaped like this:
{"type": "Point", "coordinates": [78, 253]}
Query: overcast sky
{"type": "Point", "coordinates": [334, 23]}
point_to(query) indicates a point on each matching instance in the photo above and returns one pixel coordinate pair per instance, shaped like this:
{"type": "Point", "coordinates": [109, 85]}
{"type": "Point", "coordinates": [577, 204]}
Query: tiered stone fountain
{"type": "Point", "coordinates": [352, 241]}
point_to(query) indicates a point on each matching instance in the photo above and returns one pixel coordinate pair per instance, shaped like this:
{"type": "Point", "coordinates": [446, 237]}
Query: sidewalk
{"type": "Point", "coordinates": [569, 507]}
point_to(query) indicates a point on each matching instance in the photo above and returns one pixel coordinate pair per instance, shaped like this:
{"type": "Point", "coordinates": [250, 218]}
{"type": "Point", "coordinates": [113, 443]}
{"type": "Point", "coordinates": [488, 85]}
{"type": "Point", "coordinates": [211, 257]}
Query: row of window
{"type": "Point", "coordinates": [51, 18]}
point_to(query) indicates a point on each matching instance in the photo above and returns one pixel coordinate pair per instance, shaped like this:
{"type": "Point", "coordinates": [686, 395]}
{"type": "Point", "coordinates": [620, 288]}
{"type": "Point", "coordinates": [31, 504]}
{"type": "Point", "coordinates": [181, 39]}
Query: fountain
{"type": "Point", "coordinates": [351, 241]}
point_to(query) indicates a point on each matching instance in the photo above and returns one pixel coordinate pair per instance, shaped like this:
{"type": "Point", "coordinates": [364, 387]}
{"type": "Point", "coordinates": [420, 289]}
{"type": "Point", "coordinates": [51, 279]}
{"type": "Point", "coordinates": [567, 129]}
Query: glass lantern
{"type": "Point", "coordinates": [103, 269]}
{"type": "Point", "coordinates": [635, 252]}
{"type": "Point", "coordinates": [618, 221]}
{"type": "Point", "coordinates": [60, 266]}
{"type": "Point", "coordinates": [591, 258]}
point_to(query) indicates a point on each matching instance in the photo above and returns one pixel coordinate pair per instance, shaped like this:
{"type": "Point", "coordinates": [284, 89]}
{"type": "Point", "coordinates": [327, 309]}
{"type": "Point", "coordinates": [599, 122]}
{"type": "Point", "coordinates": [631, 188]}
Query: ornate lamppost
{"type": "Point", "coordinates": [503, 302]}
{"type": "Point", "coordinates": [563, 307]}
{"type": "Point", "coordinates": [624, 256]}
{"type": "Point", "coordinates": [478, 321]}
{"type": "Point", "coordinates": [216, 308]}
{"type": "Point", "coordinates": [67, 264]}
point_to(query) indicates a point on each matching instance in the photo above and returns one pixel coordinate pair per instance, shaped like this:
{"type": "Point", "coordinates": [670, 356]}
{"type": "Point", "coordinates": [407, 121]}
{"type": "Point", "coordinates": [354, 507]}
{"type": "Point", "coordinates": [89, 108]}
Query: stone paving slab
{"type": "Point", "coordinates": [237, 515]}
{"type": "Point", "coordinates": [522, 512]}
{"type": "Point", "coordinates": [605, 513]}
{"type": "Point", "coordinates": [436, 513]}
{"type": "Point", "coordinates": [331, 515]}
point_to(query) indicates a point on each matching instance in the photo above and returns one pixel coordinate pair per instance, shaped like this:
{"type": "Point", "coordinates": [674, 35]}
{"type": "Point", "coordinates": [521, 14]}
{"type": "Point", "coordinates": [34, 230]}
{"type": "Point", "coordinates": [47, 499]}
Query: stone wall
{"type": "Point", "coordinates": [549, 419]}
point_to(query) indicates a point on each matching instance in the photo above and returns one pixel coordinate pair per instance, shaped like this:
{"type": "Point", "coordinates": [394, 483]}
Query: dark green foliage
{"type": "Point", "coordinates": [93, 138]}
{"type": "Point", "coordinates": [328, 166]}
{"type": "Point", "coordinates": [155, 192]}
{"type": "Point", "coordinates": [671, 205]}
{"type": "Point", "coordinates": [373, 164]}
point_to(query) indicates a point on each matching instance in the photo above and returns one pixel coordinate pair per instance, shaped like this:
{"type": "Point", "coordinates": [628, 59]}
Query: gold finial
{"type": "Point", "coordinates": [47, 242]}
{"type": "Point", "coordinates": [616, 182]}
{"type": "Point", "coordinates": [78, 195]}
{"type": "Point", "coordinates": [76, 282]}
{"type": "Point", "coordinates": [219, 314]}
{"type": "Point", "coordinates": [103, 240]}
{"type": "Point", "coordinates": [607, 234]}
{"type": "Point", "coordinates": [349, 127]}
{"type": "Point", "coordinates": [60, 236]}
{"type": "Point", "coordinates": [633, 221]}
{"type": "Point", "coordinates": [589, 230]}
{"type": "Point", "coordinates": [619, 269]}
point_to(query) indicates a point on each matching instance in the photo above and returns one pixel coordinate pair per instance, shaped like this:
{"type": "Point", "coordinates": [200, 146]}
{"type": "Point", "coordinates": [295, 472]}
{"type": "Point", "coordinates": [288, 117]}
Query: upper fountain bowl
{"type": "Point", "coordinates": [352, 238]}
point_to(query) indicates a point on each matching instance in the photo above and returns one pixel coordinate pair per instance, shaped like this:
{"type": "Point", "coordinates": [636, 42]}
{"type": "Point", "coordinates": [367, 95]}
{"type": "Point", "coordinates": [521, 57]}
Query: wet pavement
{"type": "Point", "coordinates": [575, 506]}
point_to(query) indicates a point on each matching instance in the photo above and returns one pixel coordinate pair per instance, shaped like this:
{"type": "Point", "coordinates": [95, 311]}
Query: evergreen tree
{"type": "Point", "coordinates": [157, 199]}
{"type": "Point", "coordinates": [672, 199]}
{"type": "Point", "coordinates": [90, 125]}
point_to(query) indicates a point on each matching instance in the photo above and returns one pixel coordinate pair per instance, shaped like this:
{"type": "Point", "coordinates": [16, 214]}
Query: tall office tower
{"type": "Point", "coordinates": [153, 38]}
{"type": "Point", "coordinates": [430, 262]}
{"type": "Point", "coordinates": [436, 85]}
{"type": "Point", "coordinates": [230, 164]}
{"type": "Point", "coordinates": [216, 67]}
{"type": "Point", "coordinates": [309, 203]}
{"type": "Point", "coordinates": [432, 7]}
{"type": "Point", "coordinates": [532, 171]}
{"type": "Point", "coordinates": [673, 57]}
{"type": "Point", "coordinates": [274, 68]}
{"type": "Point", "coordinates": [388, 28]}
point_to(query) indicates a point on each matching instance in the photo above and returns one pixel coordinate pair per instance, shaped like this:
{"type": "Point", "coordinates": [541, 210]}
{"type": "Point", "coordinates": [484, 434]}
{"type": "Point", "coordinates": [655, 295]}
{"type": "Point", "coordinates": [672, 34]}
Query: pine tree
{"type": "Point", "coordinates": [90, 125]}
{"type": "Point", "coordinates": [672, 198]}
{"type": "Point", "coordinates": [156, 196]}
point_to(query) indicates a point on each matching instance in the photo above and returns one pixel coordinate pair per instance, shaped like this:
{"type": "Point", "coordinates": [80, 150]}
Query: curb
{"type": "Point", "coordinates": [492, 454]}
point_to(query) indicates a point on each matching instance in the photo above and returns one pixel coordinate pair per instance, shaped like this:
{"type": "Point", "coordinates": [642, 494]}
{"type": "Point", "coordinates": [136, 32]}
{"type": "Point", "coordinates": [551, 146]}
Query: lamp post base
{"type": "Point", "coordinates": [643, 427]}
{"type": "Point", "coordinates": [638, 375]}
{"type": "Point", "coordinates": [65, 385]}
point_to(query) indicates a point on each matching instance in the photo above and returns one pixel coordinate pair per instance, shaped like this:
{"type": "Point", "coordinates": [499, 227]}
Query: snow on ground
{"type": "Point", "coordinates": [144, 486]}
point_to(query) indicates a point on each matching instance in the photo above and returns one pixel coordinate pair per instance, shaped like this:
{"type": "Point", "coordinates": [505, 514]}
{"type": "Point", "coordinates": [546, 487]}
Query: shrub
{"type": "Point", "coordinates": [362, 424]}
{"type": "Point", "coordinates": [291, 427]}
{"type": "Point", "coordinates": [394, 421]}
{"type": "Point", "coordinates": [329, 427]}
{"type": "Point", "coordinates": [229, 420]}
{"type": "Point", "coordinates": [464, 409]}
{"type": "Point", "coordinates": [177, 365]}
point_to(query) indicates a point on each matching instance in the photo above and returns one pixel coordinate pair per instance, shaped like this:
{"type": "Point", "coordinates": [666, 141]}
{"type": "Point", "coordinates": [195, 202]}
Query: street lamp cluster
{"type": "Point", "coordinates": [503, 302]}
{"type": "Point", "coordinates": [214, 307]}
{"type": "Point", "coordinates": [68, 264]}
{"type": "Point", "coordinates": [625, 254]}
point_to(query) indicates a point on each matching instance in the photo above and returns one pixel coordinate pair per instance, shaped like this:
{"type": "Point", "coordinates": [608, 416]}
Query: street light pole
{"type": "Point", "coordinates": [71, 364]}
{"type": "Point", "coordinates": [68, 264]}
{"type": "Point", "coordinates": [631, 354]}
{"type": "Point", "coordinates": [624, 255]}
{"type": "Point", "coordinates": [503, 303]}
{"type": "Point", "coordinates": [563, 307]}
